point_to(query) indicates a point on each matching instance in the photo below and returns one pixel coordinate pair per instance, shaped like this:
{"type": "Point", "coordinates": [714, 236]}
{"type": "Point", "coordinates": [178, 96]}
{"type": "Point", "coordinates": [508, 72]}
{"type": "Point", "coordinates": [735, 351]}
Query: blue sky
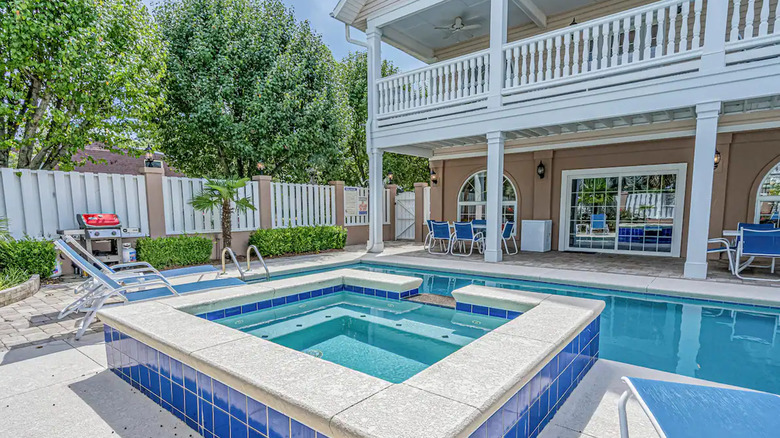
{"type": "Point", "coordinates": [332, 31]}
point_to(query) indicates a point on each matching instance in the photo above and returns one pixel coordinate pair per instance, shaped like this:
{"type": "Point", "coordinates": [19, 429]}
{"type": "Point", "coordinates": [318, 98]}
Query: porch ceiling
{"type": "Point", "coordinates": [565, 133]}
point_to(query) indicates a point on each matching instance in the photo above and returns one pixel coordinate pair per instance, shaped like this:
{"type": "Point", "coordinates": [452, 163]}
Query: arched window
{"type": "Point", "coordinates": [472, 199]}
{"type": "Point", "coordinates": [768, 199]}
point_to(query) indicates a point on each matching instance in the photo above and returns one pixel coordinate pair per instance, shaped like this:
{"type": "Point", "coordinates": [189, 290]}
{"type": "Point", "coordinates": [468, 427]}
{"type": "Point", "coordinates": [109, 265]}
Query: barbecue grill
{"type": "Point", "coordinates": [102, 228]}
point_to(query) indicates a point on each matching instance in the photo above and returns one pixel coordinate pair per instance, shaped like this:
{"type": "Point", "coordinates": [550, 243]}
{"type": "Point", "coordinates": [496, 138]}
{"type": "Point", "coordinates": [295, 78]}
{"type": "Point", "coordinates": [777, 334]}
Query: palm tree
{"type": "Point", "coordinates": [224, 193]}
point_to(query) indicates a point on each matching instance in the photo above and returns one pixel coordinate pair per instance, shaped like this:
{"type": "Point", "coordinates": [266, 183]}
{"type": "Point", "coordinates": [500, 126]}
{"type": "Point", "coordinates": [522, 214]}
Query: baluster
{"type": "Point", "coordinates": [648, 53]}
{"type": "Point", "coordinates": [626, 40]}
{"type": "Point", "coordinates": [587, 49]}
{"type": "Point", "coordinates": [391, 84]}
{"type": "Point", "coordinates": [421, 89]}
{"type": "Point", "coordinates": [696, 39]}
{"type": "Point", "coordinates": [776, 28]}
{"type": "Point", "coordinates": [575, 67]}
{"type": "Point", "coordinates": [450, 82]}
{"type": "Point", "coordinates": [385, 97]}
{"type": "Point", "coordinates": [735, 17]}
{"type": "Point", "coordinates": [516, 72]}
{"type": "Point", "coordinates": [439, 84]}
{"type": "Point", "coordinates": [637, 37]}
{"type": "Point", "coordinates": [672, 29]}
{"type": "Point", "coordinates": [661, 33]}
{"type": "Point", "coordinates": [480, 76]}
{"type": "Point", "coordinates": [463, 76]}
{"type": "Point", "coordinates": [548, 49]}
{"type": "Point", "coordinates": [429, 96]}
{"type": "Point", "coordinates": [557, 68]}
{"type": "Point", "coordinates": [524, 65]}
{"type": "Point", "coordinates": [566, 57]}
{"type": "Point", "coordinates": [458, 80]}
{"type": "Point", "coordinates": [683, 45]}
{"type": "Point", "coordinates": [539, 62]}
{"type": "Point", "coordinates": [604, 35]}
{"type": "Point", "coordinates": [532, 62]}
{"type": "Point", "coordinates": [749, 18]}
{"type": "Point", "coordinates": [615, 44]}
{"type": "Point", "coordinates": [408, 95]}
{"type": "Point", "coordinates": [486, 79]}
{"type": "Point", "coordinates": [401, 94]}
{"type": "Point", "coordinates": [763, 27]}
{"type": "Point", "coordinates": [508, 68]}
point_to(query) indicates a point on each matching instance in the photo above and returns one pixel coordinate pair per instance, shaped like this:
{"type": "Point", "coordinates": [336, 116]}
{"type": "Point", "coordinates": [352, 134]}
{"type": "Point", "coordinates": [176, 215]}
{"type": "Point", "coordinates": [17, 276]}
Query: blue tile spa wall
{"type": "Point", "coordinates": [531, 409]}
{"type": "Point", "coordinates": [207, 405]}
{"type": "Point", "coordinates": [281, 301]}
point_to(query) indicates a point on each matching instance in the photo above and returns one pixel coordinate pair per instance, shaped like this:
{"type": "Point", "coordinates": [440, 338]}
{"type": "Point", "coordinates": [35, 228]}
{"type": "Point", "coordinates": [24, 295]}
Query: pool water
{"type": "Point", "coordinates": [391, 340]}
{"type": "Point", "coordinates": [733, 344]}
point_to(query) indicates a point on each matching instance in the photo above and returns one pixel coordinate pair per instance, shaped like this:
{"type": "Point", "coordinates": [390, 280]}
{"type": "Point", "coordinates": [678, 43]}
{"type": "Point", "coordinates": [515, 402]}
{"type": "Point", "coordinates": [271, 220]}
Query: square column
{"type": "Point", "coordinates": [495, 196]}
{"type": "Point", "coordinates": [707, 115]}
{"type": "Point", "coordinates": [376, 191]}
{"type": "Point", "coordinates": [499, 10]}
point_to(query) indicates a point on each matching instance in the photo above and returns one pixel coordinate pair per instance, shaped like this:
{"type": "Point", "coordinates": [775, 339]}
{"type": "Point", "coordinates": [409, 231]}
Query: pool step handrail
{"type": "Point", "coordinates": [229, 251]}
{"type": "Point", "coordinates": [260, 257]}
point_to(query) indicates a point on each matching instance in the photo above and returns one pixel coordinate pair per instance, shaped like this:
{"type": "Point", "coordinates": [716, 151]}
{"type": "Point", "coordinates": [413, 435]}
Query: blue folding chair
{"type": "Point", "coordinates": [441, 234]}
{"type": "Point", "coordinates": [464, 233]}
{"type": "Point", "coordinates": [599, 222]}
{"type": "Point", "coordinates": [679, 410]}
{"type": "Point", "coordinates": [506, 236]}
{"type": "Point", "coordinates": [755, 243]}
{"type": "Point", "coordinates": [427, 241]}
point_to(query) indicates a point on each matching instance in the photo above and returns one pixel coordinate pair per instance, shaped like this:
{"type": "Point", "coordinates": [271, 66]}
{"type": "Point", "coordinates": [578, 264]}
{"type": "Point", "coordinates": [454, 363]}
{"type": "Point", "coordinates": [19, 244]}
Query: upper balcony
{"type": "Point", "coordinates": [633, 46]}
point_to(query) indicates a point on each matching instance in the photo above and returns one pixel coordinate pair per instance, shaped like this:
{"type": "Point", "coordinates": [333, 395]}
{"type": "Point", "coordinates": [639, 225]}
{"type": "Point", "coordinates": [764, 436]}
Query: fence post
{"type": "Point", "coordinates": [155, 203]}
{"type": "Point", "coordinates": [264, 200]}
{"type": "Point", "coordinates": [338, 188]}
{"type": "Point", "coordinates": [393, 191]}
{"type": "Point", "coordinates": [419, 212]}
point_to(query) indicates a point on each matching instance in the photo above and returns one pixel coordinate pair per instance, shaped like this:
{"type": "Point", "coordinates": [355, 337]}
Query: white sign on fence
{"type": "Point", "coordinates": [37, 203]}
{"type": "Point", "coordinates": [356, 206]}
{"type": "Point", "coordinates": [350, 201]}
{"type": "Point", "coordinates": [300, 205]}
{"type": "Point", "coordinates": [182, 218]}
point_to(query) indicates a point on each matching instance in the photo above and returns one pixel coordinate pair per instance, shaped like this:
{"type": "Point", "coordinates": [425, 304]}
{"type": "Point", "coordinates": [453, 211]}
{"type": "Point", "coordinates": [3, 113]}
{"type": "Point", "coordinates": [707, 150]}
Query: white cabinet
{"type": "Point", "coordinates": [536, 236]}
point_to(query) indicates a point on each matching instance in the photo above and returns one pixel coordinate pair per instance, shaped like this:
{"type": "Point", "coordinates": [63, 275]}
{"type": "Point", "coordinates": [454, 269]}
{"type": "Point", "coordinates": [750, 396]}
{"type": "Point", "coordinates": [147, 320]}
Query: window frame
{"type": "Point", "coordinates": [679, 169]}
{"type": "Point", "coordinates": [512, 204]}
{"type": "Point", "coordinates": [766, 198]}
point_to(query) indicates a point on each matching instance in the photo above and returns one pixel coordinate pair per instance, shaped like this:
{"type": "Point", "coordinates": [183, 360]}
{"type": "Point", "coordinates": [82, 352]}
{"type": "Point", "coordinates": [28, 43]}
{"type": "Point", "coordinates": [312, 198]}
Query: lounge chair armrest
{"type": "Point", "coordinates": [123, 266]}
{"type": "Point", "coordinates": [145, 279]}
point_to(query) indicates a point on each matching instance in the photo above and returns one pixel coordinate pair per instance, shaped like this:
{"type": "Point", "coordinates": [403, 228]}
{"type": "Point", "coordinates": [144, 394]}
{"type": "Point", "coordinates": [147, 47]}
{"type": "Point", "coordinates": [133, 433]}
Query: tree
{"type": "Point", "coordinates": [407, 170]}
{"type": "Point", "coordinates": [223, 194]}
{"type": "Point", "coordinates": [246, 84]}
{"type": "Point", "coordinates": [74, 72]}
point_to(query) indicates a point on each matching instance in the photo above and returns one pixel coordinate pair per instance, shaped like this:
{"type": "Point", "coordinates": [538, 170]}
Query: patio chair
{"type": "Point", "coordinates": [597, 222]}
{"type": "Point", "coordinates": [441, 234]}
{"type": "Point", "coordinates": [140, 267]}
{"type": "Point", "coordinates": [679, 410]}
{"type": "Point", "coordinates": [755, 243]}
{"type": "Point", "coordinates": [142, 287]}
{"type": "Point", "coordinates": [427, 241]}
{"type": "Point", "coordinates": [506, 236]}
{"type": "Point", "coordinates": [724, 245]}
{"type": "Point", "coordinates": [464, 233]}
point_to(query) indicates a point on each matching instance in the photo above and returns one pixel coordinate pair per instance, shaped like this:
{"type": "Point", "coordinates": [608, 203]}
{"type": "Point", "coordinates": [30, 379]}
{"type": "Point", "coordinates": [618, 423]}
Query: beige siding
{"type": "Point", "coordinates": [372, 6]}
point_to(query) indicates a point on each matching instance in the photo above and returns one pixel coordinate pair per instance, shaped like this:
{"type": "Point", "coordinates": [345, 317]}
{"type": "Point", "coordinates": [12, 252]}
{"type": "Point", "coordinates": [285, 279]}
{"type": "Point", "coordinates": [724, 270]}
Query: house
{"type": "Point", "coordinates": [107, 161]}
{"type": "Point", "coordinates": [637, 127]}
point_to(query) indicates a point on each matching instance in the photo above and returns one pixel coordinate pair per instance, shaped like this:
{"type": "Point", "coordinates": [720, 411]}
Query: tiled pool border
{"type": "Point", "coordinates": [208, 406]}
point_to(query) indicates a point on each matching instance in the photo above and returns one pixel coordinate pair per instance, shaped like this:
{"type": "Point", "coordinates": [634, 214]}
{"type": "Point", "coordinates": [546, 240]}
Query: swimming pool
{"type": "Point", "coordinates": [733, 344]}
{"type": "Point", "coordinates": [392, 340]}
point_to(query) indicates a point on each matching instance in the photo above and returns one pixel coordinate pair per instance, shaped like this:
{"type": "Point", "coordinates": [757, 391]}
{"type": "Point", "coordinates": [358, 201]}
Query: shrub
{"type": "Point", "coordinates": [31, 256]}
{"type": "Point", "coordinates": [298, 240]}
{"type": "Point", "coordinates": [11, 277]}
{"type": "Point", "coordinates": [166, 252]}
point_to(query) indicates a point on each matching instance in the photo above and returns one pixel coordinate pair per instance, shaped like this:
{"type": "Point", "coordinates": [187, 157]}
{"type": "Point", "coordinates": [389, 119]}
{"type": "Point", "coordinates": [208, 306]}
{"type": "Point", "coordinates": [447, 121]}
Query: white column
{"type": "Point", "coordinates": [714, 48]}
{"type": "Point", "coordinates": [495, 189]}
{"type": "Point", "coordinates": [498, 29]}
{"type": "Point", "coordinates": [701, 189]}
{"type": "Point", "coordinates": [375, 186]}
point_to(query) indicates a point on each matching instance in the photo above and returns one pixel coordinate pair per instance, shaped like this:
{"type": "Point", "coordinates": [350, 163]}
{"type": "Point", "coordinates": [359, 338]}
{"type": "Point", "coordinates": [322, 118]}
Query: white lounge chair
{"type": "Point", "coordinates": [137, 287]}
{"type": "Point", "coordinates": [679, 410]}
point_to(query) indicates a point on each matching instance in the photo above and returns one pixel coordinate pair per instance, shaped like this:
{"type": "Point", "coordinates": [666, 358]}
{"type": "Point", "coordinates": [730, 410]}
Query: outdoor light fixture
{"type": "Point", "coordinates": [717, 158]}
{"type": "Point", "coordinates": [389, 177]}
{"type": "Point", "coordinates": [434, 177]}
{"type": "Point", "coordinates": [149, 157]}
{"type": "Point", "coordinates": [540, 170]}
{"type": "Point", "coordinates": [260, 167]}
{"type": "Point", "coordinates": [573, 21]}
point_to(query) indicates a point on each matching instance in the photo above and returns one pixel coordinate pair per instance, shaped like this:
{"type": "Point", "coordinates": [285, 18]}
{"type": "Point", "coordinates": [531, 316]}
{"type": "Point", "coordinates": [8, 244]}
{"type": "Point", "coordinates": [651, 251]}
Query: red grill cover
{"type": "Point", "coordinates": [98, 220]}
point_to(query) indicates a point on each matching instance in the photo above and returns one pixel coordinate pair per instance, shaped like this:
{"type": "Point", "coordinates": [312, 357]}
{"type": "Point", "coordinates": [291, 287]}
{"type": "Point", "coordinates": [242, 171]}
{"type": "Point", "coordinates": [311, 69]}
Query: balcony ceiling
{"type": "Point", "coordinates": [417, 34]}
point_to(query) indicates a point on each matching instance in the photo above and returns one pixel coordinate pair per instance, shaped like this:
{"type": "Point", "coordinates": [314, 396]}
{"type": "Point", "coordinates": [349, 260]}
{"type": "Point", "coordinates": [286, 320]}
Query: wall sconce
{"type": "Point", "coordinates": [540, 170]}
{"type": "Point", "coordinates": [434, 177]}
{"type": "Point", "coordinates": [573, 21]}
{"type": "Point", "coordinates": [717, 158]}
{"type": "Point", "coordinates": [149, 157]}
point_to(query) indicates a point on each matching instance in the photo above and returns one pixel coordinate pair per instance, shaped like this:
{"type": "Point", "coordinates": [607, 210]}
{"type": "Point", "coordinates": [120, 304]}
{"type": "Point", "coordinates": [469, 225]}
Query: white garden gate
{"type": "Point", "coordinates": [404, 216]}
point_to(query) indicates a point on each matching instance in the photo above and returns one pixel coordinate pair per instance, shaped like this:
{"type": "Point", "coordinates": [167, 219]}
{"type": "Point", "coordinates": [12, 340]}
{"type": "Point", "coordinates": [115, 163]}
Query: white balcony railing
{"type": "Point", "coordinates": [664, 30]}
{"type": "Point", "coordinates": [456, 81]}
{"type": "Point", "coordinates": [746, 28]}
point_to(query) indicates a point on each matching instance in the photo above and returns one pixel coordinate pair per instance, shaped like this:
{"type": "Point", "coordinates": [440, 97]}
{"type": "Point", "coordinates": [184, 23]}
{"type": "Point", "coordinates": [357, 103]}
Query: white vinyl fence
{"type": "Point", "coordinates": [356, 206]}
{"type": "Point", "coordinates": [38, 203]}
{"type": "Point", "coordinates": [301, 205]}
{"type": "Point", "coordinates": [182, 218]}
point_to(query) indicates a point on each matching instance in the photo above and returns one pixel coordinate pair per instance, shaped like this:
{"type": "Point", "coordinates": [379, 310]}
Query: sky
{"type": "Point", "coordinates": [317, 12]}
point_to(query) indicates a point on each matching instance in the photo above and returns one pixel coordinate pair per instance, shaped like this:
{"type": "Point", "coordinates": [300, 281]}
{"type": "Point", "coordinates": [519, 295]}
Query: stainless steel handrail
{"type": "Point", "coordinates": [227, 250]}
{"type": "Point", "coordinates": [260, 257]}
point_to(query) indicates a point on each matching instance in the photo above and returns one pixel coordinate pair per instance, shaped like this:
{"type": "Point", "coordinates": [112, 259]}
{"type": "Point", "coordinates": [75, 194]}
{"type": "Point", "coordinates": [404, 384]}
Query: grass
{"type": "Point", "coordinates": [12, 277]}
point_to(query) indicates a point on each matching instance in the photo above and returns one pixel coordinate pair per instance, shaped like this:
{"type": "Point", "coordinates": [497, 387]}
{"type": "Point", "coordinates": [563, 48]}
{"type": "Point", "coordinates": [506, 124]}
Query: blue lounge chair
{"type": "Point", "coordinates": [679, 410]}
{"type": "Point", "coordinates": [440, 234]}
{"type": "Point", "coordinates": [599, 222]}
{"type": "Point", "coordinates": [141, 267]}
{"type": "Point", "coordinates": [464, 233]}
{"type": "Point", "coordinates": [142, 287]}
{"type": "Point", "coordinates": [753, 243]}
{"type": "Point", "coordinates": [506, 236]}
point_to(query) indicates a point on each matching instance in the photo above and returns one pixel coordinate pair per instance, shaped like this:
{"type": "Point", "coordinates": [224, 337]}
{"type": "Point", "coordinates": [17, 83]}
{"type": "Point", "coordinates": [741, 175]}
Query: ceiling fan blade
{"type": "Point", "coordinates": [443, 27]}
{"type": "Point", "coordinates": [448, 36]}
{"type": "Point", "coordinates": [472, 27]}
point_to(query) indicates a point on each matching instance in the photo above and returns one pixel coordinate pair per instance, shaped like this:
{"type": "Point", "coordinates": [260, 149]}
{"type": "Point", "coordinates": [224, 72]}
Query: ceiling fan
{"type": "Point", "coordinates": [457, 27]}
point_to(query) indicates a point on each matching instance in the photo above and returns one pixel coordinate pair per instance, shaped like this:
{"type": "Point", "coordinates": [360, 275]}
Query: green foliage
{"type": "Point", "coordinates": [31, 256]}
{"type": "Point", "coordinates": [11, 277]}
{"type": "Point", "coordinates": [298, 240]}
{"type": "Point", "coordinates": [166, 252]}
{"type": "Point", "coordinates": [247, 84]}
{"type": "Point", "coordinates": [221, 193]}
{"type": "Point", "coordinates": [76, 72]}
{"type": "Point", "coordinates": [4, 234]}
{"type": "Point", "coordinates": [407, 170]}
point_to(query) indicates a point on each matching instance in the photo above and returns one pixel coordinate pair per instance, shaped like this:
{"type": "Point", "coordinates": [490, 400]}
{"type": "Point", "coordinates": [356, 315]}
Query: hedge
{"type": "Point", "coordinates": [166, 252]}
{"type": "Point", "coordinates": [298, 240]}
{"type": "Point", "coordinates": [31, 256]}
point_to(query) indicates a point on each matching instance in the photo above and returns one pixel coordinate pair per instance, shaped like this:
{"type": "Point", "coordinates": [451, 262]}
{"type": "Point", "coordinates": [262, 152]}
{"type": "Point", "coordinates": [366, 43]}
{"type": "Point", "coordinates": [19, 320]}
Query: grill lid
{"type": "Point", "coordinates": [98, 220]}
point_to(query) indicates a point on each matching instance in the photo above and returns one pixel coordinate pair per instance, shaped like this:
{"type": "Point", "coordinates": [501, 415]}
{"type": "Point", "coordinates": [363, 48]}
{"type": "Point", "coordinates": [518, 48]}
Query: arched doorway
{"type": "Point", "coordinates": [472, 199]}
